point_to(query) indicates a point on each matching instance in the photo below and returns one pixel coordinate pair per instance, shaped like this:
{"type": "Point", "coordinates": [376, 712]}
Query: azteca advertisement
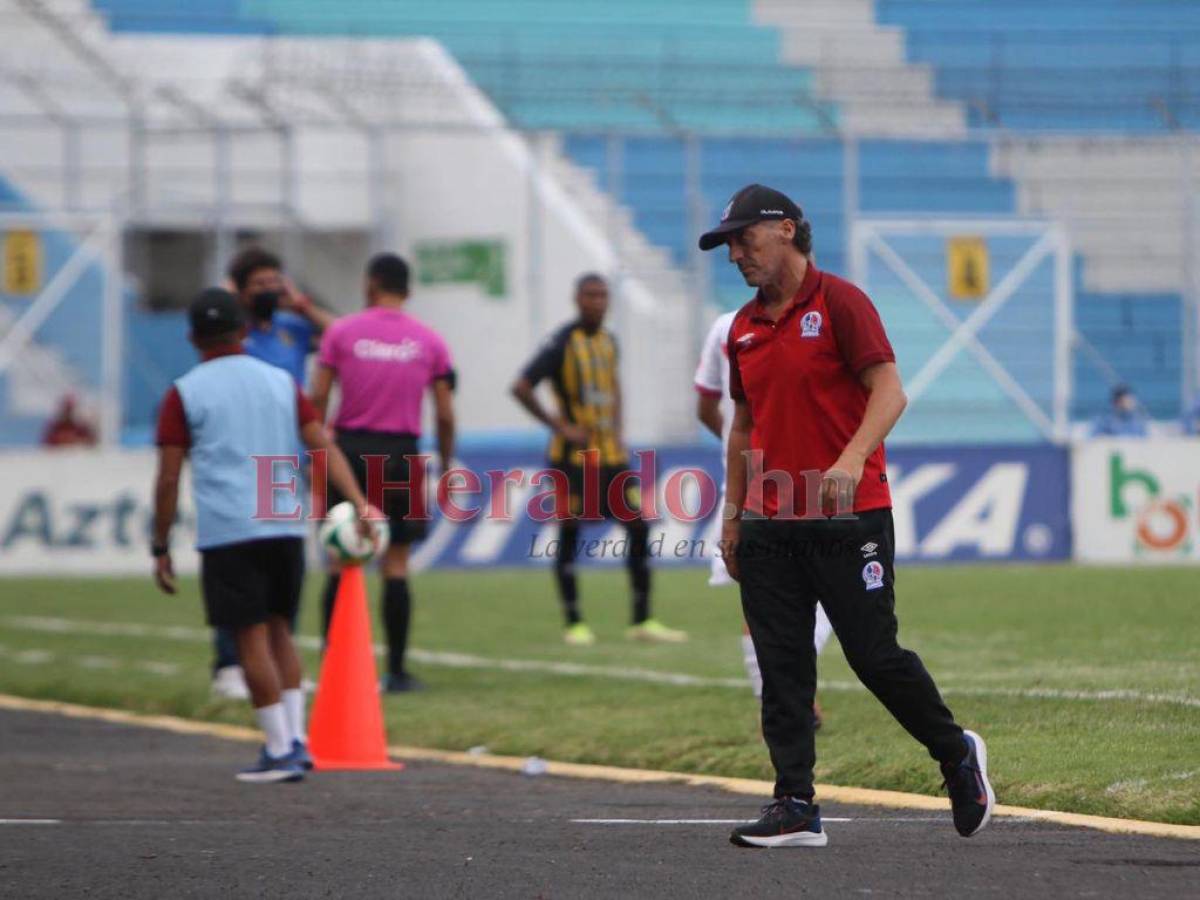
{"type": "Point", "coordinates": [81, 512]}
{"type": "Point", "coordinates": [69, 512]}
{"type": "Point", "coordinates": [1137, 501]}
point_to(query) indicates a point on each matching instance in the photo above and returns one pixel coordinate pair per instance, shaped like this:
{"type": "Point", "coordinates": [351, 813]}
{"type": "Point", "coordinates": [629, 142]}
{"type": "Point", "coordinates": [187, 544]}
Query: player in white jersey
{"type": "Point", "coordinates": [714, 408]}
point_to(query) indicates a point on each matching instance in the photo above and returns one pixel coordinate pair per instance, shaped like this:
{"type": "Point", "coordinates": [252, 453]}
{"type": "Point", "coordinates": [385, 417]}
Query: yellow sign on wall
{"type": "Point", "coordinates": [967, 268]}
{"type": "Point", "coordinates": [22, 262]}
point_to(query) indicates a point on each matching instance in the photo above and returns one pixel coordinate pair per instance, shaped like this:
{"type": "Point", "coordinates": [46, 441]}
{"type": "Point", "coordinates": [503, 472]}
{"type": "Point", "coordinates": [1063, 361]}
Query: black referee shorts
{"type": "Point", "coordinates": [245, 583]}
{"type": "Point", "coordinates": [397, 503]}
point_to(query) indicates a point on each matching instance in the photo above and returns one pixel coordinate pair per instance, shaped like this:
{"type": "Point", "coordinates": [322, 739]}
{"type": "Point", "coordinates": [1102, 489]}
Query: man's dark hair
{"type": "Point", "coordinates": [389, 272]}
{"type": "Point", "coordinates": [250, 261]}
{"type": "Point", "coordinates": [589, 278]}
{"type": "Point", "coordinates": [802, 239]}
{"type": "Point", "coordinates": [221, 339]}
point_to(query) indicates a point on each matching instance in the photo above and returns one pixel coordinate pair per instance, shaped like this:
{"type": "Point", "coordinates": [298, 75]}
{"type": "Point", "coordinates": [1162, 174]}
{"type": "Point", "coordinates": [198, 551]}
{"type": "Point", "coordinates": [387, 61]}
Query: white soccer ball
{"type": "Point", "coordinates": [340, 538]}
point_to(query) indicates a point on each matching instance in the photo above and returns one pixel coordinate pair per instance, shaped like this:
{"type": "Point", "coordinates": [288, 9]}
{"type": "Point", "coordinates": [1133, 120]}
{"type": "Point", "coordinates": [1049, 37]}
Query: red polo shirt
{"type": "Point", "coordinates": [800, 376]}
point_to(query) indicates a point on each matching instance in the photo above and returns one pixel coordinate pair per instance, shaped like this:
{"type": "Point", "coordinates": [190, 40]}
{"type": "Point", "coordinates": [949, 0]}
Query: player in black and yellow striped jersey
{"type": "Point", "coordinates": [581, 361]}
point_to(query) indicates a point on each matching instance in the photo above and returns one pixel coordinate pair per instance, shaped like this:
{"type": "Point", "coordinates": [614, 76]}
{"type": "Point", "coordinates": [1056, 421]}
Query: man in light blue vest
{"type": "Point", "coordinates": [225, 412]}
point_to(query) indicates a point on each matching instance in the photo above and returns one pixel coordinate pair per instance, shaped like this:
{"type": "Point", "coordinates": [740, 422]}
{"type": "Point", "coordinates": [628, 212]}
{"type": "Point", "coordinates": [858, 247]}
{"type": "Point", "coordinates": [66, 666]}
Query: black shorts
{"type": "Point", "coordinates": [599, 503]}
{"type": "Point", "coordinates": [245, 583]}
{"type": "Point", "coordinates": [397, 504]}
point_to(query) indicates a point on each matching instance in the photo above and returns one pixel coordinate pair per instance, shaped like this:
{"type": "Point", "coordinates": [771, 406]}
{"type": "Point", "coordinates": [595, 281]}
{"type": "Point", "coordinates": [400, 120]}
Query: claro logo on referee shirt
{"type": "Point", "coordinates": [405, 351]}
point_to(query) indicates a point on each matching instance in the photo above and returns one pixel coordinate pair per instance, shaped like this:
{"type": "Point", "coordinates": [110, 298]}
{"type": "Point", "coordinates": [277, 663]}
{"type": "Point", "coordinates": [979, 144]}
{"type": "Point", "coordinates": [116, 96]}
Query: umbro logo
{"type": "Point", "coordinates": [744, 339]}
{"type": "Point", "coordinates": [868, 549]}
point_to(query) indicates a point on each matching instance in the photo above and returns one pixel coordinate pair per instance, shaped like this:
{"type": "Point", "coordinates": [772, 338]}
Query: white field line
{"type": "Point", "coordinates": [870, 821]}
{"type": "Point", "coordinates": [136, 823]}
{"type": "Point", "coordinates": [650, 676]}
{"type": "Point", "coordinates": [1140, 784]}
{"type": "Point", "coordinates": [43, 657]}
{"type": "Point", "coordinates": [31, 821]}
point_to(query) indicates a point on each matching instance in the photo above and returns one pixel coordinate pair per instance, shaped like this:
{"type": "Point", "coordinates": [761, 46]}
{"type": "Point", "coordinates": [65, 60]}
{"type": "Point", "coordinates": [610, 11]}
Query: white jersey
{"type": "Point", "coordinates": [712, 374]}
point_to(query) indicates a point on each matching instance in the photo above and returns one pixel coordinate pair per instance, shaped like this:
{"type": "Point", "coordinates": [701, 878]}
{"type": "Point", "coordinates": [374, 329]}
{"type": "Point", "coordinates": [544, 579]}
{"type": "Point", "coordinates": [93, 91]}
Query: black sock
{"type": "Point", "coordinates": [639, 570]}
{"type": "Point", "coordinates": [328, 598]}
{"type": "Point", "coordinates": [564, 573]}
{"type": "Point", "coordinates": [397, 613]}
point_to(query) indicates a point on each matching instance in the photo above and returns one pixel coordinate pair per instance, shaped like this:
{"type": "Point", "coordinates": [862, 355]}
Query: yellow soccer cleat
{"type": "Point", "coordinates": [579, 635]}
{"type": "Point", "coordinates": [655, 632]}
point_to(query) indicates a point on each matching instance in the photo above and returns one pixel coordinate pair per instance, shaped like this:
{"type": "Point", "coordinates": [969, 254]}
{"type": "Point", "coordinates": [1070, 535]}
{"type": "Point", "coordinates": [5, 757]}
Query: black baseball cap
{"type": "Point", "coordinates": [215, 312]}
{"type": "Point", "coordinates": [753, 203]}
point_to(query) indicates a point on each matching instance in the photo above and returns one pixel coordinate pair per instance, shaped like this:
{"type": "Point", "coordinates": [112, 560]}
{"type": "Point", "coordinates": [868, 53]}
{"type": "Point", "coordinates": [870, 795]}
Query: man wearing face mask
{"type": "Point", "coordinates": [283, 327]}
{"type": "Point", "coordinates": [284, 324]}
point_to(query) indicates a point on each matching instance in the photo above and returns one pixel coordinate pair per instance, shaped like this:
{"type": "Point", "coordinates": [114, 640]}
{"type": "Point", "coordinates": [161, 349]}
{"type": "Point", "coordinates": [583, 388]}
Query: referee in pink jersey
{"type": "Point", "coordinates": [385, 360]}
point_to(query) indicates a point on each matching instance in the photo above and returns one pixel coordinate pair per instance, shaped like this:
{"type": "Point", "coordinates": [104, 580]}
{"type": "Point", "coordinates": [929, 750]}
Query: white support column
{"type": "Point", "coordinates": [1064, 329]}
{"type": "Point", "coordinates": [851, 200]}
{"type": "Point", "coordinates": [113, 328]}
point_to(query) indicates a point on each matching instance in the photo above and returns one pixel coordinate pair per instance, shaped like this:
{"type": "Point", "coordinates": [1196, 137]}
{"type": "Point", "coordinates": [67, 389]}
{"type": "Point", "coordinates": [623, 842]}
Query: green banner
{"type": "Point", "coordinates": [460, 262]}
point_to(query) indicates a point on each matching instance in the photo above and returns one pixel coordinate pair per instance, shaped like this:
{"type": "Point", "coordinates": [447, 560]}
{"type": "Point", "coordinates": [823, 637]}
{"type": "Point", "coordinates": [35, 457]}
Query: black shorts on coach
{"type": "Point", "coordinates": [245, 583]}
{"type": "Point", "coordinates": [397, 503]}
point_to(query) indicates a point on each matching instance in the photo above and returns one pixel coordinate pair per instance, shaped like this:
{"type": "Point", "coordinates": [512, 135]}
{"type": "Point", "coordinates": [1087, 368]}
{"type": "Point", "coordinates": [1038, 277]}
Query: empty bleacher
{"type": "Point", "coordinates": [1069, 65]}
{"type": "Point", "coordinates": [678, 64]}
{"type": "Point", "coordinates": [647, 104]}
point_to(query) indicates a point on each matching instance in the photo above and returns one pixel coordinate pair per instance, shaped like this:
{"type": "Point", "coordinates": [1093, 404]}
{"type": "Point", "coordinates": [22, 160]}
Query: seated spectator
{"type": "Point", "coordinates": [1124, 419]}
{"type": "Point", "coordinates": [67, 429]}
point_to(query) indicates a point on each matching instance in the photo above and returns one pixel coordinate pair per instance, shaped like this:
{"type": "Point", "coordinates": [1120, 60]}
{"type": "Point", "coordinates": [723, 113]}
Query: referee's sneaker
{"type": "Point", "coordinates": [815, 389]}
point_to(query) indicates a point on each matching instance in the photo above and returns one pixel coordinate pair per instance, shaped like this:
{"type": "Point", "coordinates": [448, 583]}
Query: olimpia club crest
{"type": "Point", "coordinates": [872, 575]}
{"type": "Point", "coordinates": [810, 325]}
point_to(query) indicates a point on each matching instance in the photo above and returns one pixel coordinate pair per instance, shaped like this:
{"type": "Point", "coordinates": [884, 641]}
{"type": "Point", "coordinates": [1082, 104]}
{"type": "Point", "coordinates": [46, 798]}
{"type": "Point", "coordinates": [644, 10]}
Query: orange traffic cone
{"type": "Point", "coordinates": [346, 728]}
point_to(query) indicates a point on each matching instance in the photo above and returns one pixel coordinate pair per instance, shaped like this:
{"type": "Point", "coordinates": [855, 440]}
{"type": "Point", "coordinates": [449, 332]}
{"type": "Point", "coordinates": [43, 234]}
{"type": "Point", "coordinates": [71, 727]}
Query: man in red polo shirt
{"type": "Point", "coordinates": [808, 518]}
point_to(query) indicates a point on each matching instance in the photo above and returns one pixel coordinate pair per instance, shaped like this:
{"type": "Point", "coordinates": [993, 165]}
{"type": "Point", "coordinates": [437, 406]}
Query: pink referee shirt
{"type": "Point", "coordinates": [384, 359]}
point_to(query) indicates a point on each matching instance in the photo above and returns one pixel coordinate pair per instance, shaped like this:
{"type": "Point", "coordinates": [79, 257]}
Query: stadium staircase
{"type": "Point", "coordinates": [860, 66]}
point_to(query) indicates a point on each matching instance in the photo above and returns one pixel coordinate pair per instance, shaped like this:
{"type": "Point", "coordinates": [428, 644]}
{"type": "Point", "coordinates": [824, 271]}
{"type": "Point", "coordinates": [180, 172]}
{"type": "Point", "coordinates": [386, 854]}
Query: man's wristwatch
{"type": "Point", "coordinates": [157, 550]}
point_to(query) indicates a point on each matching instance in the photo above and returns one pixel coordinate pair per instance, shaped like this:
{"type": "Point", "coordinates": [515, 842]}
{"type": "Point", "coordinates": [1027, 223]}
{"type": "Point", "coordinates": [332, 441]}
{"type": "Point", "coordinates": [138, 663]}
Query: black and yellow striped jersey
{"type": "Point", "coordinates": [583, 369]}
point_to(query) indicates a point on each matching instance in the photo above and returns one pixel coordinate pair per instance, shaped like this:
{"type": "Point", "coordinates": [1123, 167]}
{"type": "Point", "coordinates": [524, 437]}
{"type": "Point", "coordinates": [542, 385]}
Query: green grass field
{"type": "Point", "coordinates": [1086, 682]}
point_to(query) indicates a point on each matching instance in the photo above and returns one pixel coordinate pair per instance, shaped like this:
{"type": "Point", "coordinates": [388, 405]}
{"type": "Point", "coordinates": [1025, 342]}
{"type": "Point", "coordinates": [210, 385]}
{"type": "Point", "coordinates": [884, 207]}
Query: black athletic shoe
{"type": "Point", "coordinates": [785, 822]}
{"type": "Point", "coordinates": [402, 684]}
{"type": "Point", "coordinates": [971, 795]}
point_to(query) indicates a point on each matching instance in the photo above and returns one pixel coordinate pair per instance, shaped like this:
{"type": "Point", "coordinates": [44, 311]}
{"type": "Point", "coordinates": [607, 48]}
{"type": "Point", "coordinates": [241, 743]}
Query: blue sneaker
{"type": "Point", "coordinates": [785, 822]}
{"type": "Point", "coordinates": [272, 769]}
{"type": "Point", "coordinates": [301, 755]}
{"type": "Point", "coordinates": [971, 794]}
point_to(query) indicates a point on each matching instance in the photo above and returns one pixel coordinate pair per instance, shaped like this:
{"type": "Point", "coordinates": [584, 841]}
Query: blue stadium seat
{"type": "Point", "coordinates": [1073, 64]}
{"type": "Point", "coordinates": [600, 64]}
